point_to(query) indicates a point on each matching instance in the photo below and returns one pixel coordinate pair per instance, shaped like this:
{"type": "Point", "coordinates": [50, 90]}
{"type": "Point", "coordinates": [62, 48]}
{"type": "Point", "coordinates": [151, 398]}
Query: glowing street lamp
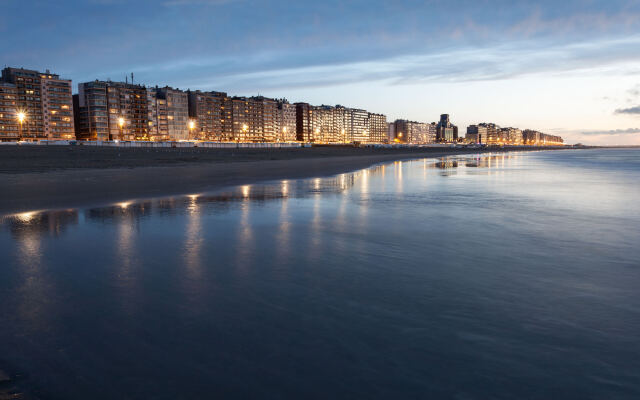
{"type": "Point", "coordinates": [245, 128]}
{"type": "Point", "coordinates": [121, 125]}
{"type": "Point", "coordinates": [192, 126]}
{"type": "Point", "coordinates": [21, 117]}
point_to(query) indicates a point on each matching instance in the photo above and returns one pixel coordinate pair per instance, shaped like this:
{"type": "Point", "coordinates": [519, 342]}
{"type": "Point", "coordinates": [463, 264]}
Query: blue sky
{"type": "Point", "coordinates": [567, 67]}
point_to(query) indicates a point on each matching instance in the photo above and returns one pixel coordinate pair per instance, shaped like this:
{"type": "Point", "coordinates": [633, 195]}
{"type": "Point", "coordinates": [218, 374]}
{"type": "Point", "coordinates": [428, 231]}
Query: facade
{"type": "Point", "coordinates": [267, 113]}
{"type": "Point", "coordinates": [391, 131]}
{"type": "Point", "coordinates": [552, 140]}
{"type": "Point", "coordinates": [446, 131]}
{"type": "Point", "coordinates": [535, 138]}
{"type": "Point", "coordinates": [286, 121]}
{"type": "Point", "coordinates": [57, 105]}
{"type": "Point", "coordinates": [493, 133]}
{"type": "Point", "coordinates": [512, 136]}
{"type": "Point", "coordinates": [44, 99]}
{"type": "Point", "coordinates": [207, 110]}
{"type": "Point", "coordinates": [177, 109]}
{"type": "Point", "coordinates": [157, 116]}
{"type": "Point", "coordinates": [303, 122]}
{"type": "Point", "coordinates": [377, 128]}
{"type": "Point", "coordinates": [477, 134]}
{"type": "Point", "coordinates": [359, 132]}
{"type": "Point", "coordinates": [531, 137]}
{"type": "Point", "coordinates": [247, 119]}
{"type": "Point", "coordinates": [113, 110]}
{"type": "Point", "coordinates": [9, 125]}
{"type": "Point", "coordinates": [342, 123]}
{"type": "Point", "coordinates": [92, 117]}
{"type": "Point", "coordinates": [413, 132]}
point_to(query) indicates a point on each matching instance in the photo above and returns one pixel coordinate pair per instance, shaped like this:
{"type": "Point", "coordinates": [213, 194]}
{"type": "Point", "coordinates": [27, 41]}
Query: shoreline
{"type": "Point", "coordinates": [82, 187]}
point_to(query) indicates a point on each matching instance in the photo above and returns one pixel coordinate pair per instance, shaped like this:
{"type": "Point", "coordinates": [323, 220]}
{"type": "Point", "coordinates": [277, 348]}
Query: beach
{"type": "Point", "coordinates": [394, 281]}
{"type": "Point", "coordinates": [47, 177]}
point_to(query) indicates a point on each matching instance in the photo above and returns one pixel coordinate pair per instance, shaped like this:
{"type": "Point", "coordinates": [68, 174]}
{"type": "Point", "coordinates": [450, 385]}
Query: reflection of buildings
{"type": "Point", "coordinates": [446, 164]}
{"type": "Point", "coordinates": [484, 161]}
{"type": "Point", "coordinates": [121, 211]}
{"type": "Point", "coordinates": [52, 223]}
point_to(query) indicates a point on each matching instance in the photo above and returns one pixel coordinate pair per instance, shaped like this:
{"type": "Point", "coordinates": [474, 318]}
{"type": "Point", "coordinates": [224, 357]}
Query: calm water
{"type": "Point", "coordinates": [496, 276]}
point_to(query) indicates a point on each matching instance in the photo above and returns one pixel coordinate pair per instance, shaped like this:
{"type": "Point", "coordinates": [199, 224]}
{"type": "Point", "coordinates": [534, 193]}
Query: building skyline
{"type": "Point", "coordinates": [107, 110]}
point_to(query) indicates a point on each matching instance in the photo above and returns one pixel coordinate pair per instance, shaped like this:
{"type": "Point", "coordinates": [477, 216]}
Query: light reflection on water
{"type": "Point", "coordinates": [471, 277]}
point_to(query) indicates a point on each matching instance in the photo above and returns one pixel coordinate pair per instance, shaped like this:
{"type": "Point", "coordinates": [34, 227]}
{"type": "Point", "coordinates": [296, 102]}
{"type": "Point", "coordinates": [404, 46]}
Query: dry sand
{"type": "Point", "coordinates": [47, 177]}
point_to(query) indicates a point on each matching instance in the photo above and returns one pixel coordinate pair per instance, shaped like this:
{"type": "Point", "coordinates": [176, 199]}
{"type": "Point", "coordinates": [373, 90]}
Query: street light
{"type": "Point", "coordinates": [21, 117]}
{"type": "Point", "coordinates": [245, 128]}
{"type": "Point", "coordinates": [192, 126]}
{"type": "Point", "coordinates": [121, 125]}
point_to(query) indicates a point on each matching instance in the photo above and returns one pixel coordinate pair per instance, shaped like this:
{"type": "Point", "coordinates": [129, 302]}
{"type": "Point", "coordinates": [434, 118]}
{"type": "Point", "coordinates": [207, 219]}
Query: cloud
{"type": "Point", "coordinates": [629, 131]}
{"type": "Point", "coordinates": [629, 111]}
{"type": "Point", "coordinates": [491, 63]}
{"type": "Point", "coordinates": [634, 91]}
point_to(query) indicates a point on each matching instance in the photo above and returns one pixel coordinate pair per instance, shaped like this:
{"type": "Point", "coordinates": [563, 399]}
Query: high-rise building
{"type": "Point", "coordinates": [9, 124]}
{"type": "Point", "coordinates": [413, 132]}
{"type": "Point", "coordinates": [177, 113]}
{"type": "Point", "coordinates": [247, 118]}
{"type": "Point", "coordinates": [531, 137]}
{"type": "Point", "coordinates": [342, 123]}
{"type": "Point", "coordinates": [377, 128]}
{"type": "Point", "coordinates": [391, 131]}
{"type": "Point", "coordinates": [45, 100]}
{"type": "Point", "coordinates": [112, 110]}
{"type": "Point", "coordinates": [207, 109]}
{"type": "Point", "coordinates": [157, 116]}
{"type": "Point", "coordinates": [493, 133]}
{"type": "Point", "coordinates": [477, 134]}
{"type": "Point", "coordinates": [359, 126]}
{"type": "Point", "coordinates": [303, 122]}
{"type": "Point", "coordinates": [512, 136]}
{"type": "Point", "coordinates": [267, 113]}
{"type": "Point", "coordinates": [286, 117]}
{"type": "Point", "coordinates": [535, 138]}
{"type": "Point", "coordinates": [324, 124]}
{"type": "Point", "coordinates": [446, 131]}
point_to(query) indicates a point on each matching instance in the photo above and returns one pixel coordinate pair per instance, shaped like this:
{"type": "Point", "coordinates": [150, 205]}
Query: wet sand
{"type": "Point", "coordinates": [48, 177]}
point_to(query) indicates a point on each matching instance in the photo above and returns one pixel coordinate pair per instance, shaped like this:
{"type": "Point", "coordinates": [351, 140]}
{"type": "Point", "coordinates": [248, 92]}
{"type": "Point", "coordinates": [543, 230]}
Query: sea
{"type": "Point", "coordinates": [489, 276]}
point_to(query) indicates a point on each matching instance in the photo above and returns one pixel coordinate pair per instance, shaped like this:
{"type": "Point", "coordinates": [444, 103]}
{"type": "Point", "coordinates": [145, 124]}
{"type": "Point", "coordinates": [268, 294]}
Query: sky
{"type": "Point", "coordinates": [568, 67]}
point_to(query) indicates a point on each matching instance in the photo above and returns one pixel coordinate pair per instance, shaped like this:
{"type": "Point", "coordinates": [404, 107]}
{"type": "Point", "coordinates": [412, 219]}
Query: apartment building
{"type": "Point", "coordinates": [177, 106]}
{"type": "Point", "coordinates": [286, 117]}
{"type": "Point", "coordinates": [9, 124]}
{"type": "Point", "coordinates": [44, 99]}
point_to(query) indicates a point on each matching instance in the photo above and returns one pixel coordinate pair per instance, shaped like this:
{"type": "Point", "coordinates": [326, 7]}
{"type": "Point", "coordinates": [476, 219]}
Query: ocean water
{"type": "Point", "coordinates": [472, 277]}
